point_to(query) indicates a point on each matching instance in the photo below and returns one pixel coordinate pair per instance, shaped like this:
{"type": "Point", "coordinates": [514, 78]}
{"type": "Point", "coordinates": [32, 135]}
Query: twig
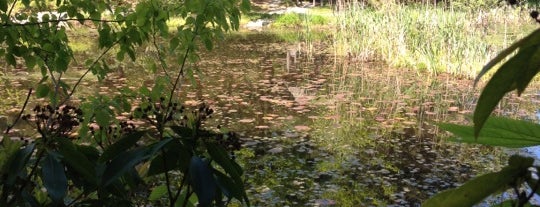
{"type": "Point", "coordinates": [87, 71]}
{"type": "Point", "coordinates": [20, 112]}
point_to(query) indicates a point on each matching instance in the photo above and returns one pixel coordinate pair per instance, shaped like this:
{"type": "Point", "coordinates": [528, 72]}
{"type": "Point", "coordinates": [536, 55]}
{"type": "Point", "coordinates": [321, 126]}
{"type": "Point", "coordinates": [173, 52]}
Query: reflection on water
{"type": "Point", "coordinates": [322, 133]}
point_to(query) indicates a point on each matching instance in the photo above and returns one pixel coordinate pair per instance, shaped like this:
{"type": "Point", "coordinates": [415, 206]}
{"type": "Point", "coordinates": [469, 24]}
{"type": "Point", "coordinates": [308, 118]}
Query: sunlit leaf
{"type": "Point", "coordinates": [498, 131]}
{"type": "Point", "coordinates": [54, 178]}
{"type": "Point", "coordinates": [158, 192]}
{"type": "Point", "coordinates": [475, 190]}
{"type": "Point", "coordinates": [516, 73]}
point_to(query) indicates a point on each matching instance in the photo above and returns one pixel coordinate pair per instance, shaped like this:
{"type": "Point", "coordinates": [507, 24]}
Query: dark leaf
{"type": "Point", "coordinates": [54, 178]}
{"type": "Point", "coordinates": [125, 161]}
{"type": "Point", "coordinates": [220, 156]}
{"type": "Point", "coordinates": [77, 160]}
{"type": "Point", "coordinates": [122, 145]}
{"type": "Point", "coordinates": [3, 5]}
{"type": "Point", "coordinates": [175, 156]}
{"type": "Point", "coordinates": [17, 164]}
{"type": "Point", "coordinates": [202, 180]}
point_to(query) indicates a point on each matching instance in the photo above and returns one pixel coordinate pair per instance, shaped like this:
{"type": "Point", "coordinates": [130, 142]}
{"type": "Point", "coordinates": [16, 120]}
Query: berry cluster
{"type": "Point", "coordinates": [230, 141]}
{"type": "Point", "coordinates": [114, 131]}
{"type": "Point", "coordinates": [55, 121]}
{"type": "Point", "coordinates": [158, 112]}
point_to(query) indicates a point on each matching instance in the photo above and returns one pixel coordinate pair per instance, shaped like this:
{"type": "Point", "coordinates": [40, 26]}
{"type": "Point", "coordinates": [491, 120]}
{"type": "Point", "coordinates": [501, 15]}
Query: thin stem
{"type": "Point", "coordinates": [188, 50]}
{"type": "Point", "coordinates": [11, 9]}
{"type": "Point", "coordinates": [167, 179]}
{"type": "Point", "coordinates": [533, 191]}
{"type": "Point", "coordinates": [180, 189]}
{"type": "Point", "coordinates": [161, 60]}
{"type": "Point", "coordinates": [20, 112]}
{"type": "Point", "coordinates": [188, 194]}
{"type": "Point", "coordinates": [87, 71]}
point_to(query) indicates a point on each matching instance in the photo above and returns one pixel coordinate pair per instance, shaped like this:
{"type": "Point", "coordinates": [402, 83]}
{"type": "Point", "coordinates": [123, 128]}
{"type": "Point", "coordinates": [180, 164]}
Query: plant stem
{"type": "Point", "coordinates": [20, 113]}
{"type": "Point", "coordinates": [88, 70]}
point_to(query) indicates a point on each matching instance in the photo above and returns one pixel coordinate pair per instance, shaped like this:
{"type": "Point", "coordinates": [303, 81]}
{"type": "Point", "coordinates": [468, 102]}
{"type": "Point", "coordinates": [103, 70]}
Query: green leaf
{"type": "Point", "coordinates": [77, 160]}
{"type": "Point", "coordinates": [158, 192]}
{"type": "Point", "coordinates": [174, 156]}
{"type": "Point", "coordinates": [127, 160]}
{"type": "Point", "coordinates": [208, 43]}
{"type": "Point", "coordinates": [3, 5]}
{"type": "Point", "coordinates": [17, 164]}
{"type": "Point", "coordinates": [516, 73]}
{"type": "Point", "coordinates": [482, 186]}
{"type": "Point", "coordinates": [173, 44]}
{"type": "Point", "coordinates": [202, 180]}
{"type": "Point", "coordinates": [122, 145]}
{"type": "Point", "coordinates": [221, 157]}
{"type": "Point", "coordinates": [7, 151]}
{"type": "Point", "coordinates": [10, 59]}
{"type": "Point", "coordinates": [103, 116]}
{"type": "Point", "coordinates": [227, 185]}
{"type": "Point", "coordinates": [54, 178]}
{"type": "Point", "coordinates": [498, 131]}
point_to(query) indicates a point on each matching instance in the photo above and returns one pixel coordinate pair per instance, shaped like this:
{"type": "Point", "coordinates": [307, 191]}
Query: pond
{"type": "Point", "coordinates": [320, 130]}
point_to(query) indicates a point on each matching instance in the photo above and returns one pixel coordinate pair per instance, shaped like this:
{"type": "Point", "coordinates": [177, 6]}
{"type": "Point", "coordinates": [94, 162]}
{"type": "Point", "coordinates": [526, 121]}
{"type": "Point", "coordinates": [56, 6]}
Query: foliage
{"type": "Point", "coordinates": [295, 20]}
{"type": "Point", "coordinates": [515, 73]}
{"type": "Point", "coordinates": [112, 161]}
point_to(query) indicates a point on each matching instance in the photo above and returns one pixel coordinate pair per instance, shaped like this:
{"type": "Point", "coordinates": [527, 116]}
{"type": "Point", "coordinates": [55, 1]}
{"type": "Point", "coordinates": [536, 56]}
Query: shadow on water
{"type": "Point", "coordinates": [320, 132]}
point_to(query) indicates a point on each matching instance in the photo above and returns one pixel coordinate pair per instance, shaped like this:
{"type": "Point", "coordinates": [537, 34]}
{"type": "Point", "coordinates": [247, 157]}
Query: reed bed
{"type": "Point", "coordinates": [428, 38]}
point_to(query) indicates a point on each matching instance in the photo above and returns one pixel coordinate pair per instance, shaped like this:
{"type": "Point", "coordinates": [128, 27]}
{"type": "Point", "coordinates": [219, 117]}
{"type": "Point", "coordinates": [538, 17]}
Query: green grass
{"type": "Point", "coordinates": [428, 38]}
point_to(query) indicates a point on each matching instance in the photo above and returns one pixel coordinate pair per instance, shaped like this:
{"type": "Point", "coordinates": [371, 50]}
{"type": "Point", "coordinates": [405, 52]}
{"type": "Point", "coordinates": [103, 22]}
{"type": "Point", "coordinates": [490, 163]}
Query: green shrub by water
{"type": "Point", "coordinates": [428, 38]}
{"type": "Point", "coordinates": [294, 19]}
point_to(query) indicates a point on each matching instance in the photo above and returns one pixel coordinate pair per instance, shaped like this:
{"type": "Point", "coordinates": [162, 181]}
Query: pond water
{"type": "Point", "coordinates": [323, 131]}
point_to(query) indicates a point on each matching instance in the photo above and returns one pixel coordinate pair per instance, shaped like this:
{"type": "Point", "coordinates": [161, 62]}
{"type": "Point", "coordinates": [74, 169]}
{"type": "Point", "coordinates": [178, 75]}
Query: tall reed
{"type": "Point", "coordinates": [427, 38]}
